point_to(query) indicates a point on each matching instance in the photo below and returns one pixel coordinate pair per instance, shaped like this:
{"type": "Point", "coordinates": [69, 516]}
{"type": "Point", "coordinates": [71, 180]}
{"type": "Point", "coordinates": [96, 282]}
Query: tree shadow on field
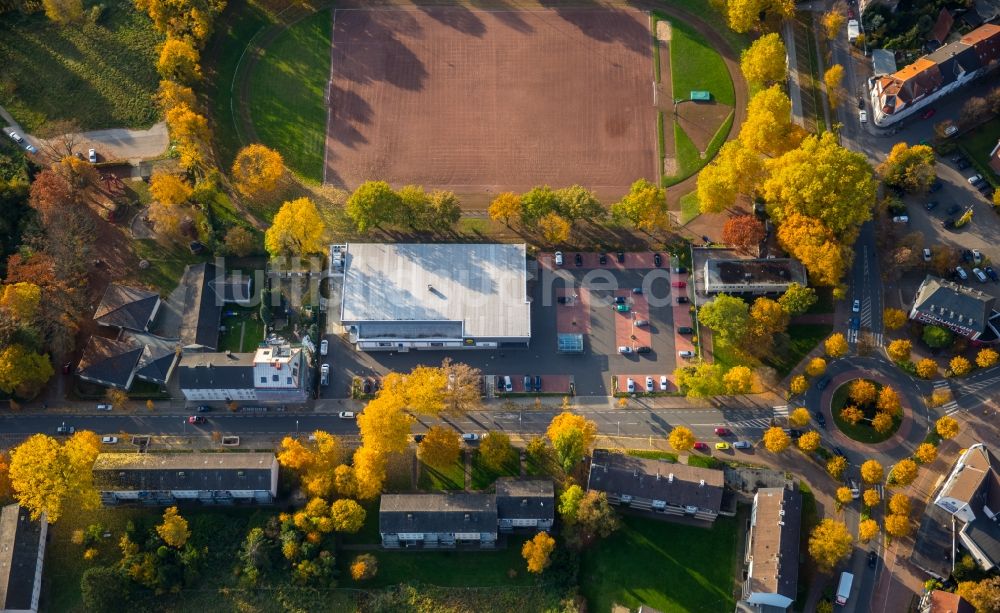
{"type": "Point", "coordinates": [604, 24]}
{"type": "Point", "coordinates": [370, 50]}
{"type": "Point", "coordinates": [505, 13]}
{"type": "Point", "coordinates": [457, 17]}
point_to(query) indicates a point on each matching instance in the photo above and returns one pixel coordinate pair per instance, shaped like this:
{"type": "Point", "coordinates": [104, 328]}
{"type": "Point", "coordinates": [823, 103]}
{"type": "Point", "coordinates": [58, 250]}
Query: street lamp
{"type": "Point", "coordinates": [296, 426]}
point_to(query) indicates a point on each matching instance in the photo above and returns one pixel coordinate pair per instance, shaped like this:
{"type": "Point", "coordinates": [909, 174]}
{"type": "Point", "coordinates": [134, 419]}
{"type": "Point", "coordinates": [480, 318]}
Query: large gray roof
{"type": "Point", "coordinates": [956, 305]}
{"type": "Point", "coordinates": [202, 307]}
{"type": "Point", "coordinates": [157, 358]}
{"type": "Point", "coordinates": [525, 498]}
{"type": "Point", "coordinates": [20, 539]}
{"type": "Point", "coordinates": [109, 361]}
{"type": "Point", "coordinates": [216, 371]}
{"type": "Point", "coordinates": [482, 285]}
{"type": "Point", "coordinates": [775, 546]}
{"type": "Point", "coordinates": [676, 484]}
{"type": "Point", "coordinates": [126, 307]}
{"type": "Point", "coordinates": [446, 512]}
{"type": "Point", "coordinates": [188, 471]}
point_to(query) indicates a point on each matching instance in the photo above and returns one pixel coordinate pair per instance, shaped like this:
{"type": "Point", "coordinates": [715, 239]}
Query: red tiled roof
{"type": "Point", "coordinates": [943, 26]}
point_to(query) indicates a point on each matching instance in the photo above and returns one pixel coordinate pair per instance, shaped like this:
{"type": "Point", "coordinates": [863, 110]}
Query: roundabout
{"type": "Point", "coordinates": [860, 414]}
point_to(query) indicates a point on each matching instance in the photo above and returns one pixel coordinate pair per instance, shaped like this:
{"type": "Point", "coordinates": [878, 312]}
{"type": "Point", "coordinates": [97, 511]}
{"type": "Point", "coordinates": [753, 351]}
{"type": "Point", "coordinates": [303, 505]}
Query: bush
{"type": "Point", "coordinates": [937, 337]}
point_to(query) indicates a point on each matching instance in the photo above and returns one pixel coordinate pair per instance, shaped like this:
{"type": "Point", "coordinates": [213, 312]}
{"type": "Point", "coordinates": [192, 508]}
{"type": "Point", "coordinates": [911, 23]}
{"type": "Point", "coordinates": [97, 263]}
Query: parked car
{"type": "Point", "coordinates": [722, 446]}
{"type": "Point", "coordinates": [527, 383]}
{"type": "Point", "coordinates": [657, 260]}
{"type": "Point", "coordinates": [856, 307]}
{"type": "Point", "coordinates": [204, 408]}
{"type": "Point", "coordinates": [324, 347]}
{"type": "Point", "coordinates": [872, 559]}
{"type": "Point", "coordinates": [964, 276]}
{"type": "Point", "coordinates": [92, 156]}
{"type": "Point", "coordinates": [603, 259]}
{"type": "Point", "coordinates": [967, 255]}
{"type": "Point", "coordinates": [578, 259]}
{"type": "Point", "coordinates": [863, 116]}
{"type": "Point", "coordinates": [109, 440]}
{"type": "Point", "coordinates": [470, 437]}
{"type": "Point", "coordinates": [839, 451]}
{"type": "Point", "coordinates": [992, 274]}
{"type": "Point", "coordinates": [629, 385]}
{"type": "Point", "coordinates": [935, 186]}
{"type": "Point", "coordinates": [508, 385]}
{"type": "Point", "coordinates": [953, 209]}
{"type": "Point", "coordinates": [980, 275]}
{"type": "Point", "coordinates": [685, 330]}
{"type": "Point", "coordinates": [621, 257]}
{"type": "Point", "coordinates": [977, 257]}
{"type": "Point", "coordinates": [644, 349]}
{"type": "Point", "coordinates": [196, 419]}
{"type": "Point", "coordinates": [861, 102]}
{"type": "Point", "coordinates": [14, 136]}
{"type": "Point", "coordinates": [64, 429]}
{"type": "Point", "coordinates": [931, 204]}
{"type": "Point", "coordinates": [699, 445]}
{"type": "Point", "coordinates": [663, 383]}
{"type": "Point", "coordinates": [927, 254]}
{"type": "Point", "coordinates": [678, 284]}
{"type": "Point", "coordinates": [901, 219]}
{"type": "Point", "coordinates": [624, 350]}
{"type": "Point", "coordinates": [417, 438]}
{"type": "Point", "coordinates": [976, 179]}
{"type": "Point", "coordinates": [685, 354]}
{"type": "Point", "coordinates": [622, 308]}
{"type": "Point", "coordinates": [682, 300]}
{"type": "Point", "coordinates": [559, 258]}
{"type": "Point", "coordinates": [324, 374]}
{"type": "Point", "coordinates": [680, 270]}
{"type": "Point", "coordinates": [950, 131]}
{"type": "Point", "coordinates": [104, 407]}
{"type": "Point", "coordinates": [723, 432]}
{"type": "Point", "coordinates": [538, 383]}
{"type": "Point", "coordinates": [641, 323]}
{"type": "Point", "coordinates": [855, 323]}
{"type": "Point", "coordinates": [346, 415]}
{"type": "Point", "coordinates": [742, 445]}
{"type": "Point", "coordinates": [649, 384]}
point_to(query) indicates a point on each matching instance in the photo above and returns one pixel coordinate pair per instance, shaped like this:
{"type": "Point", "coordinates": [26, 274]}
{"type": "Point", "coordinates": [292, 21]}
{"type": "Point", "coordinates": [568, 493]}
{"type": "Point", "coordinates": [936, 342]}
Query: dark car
{"type": "Point", "coordinates": [855, 323]}
{"type": "Point", "coordinates": [578, 259]}
{"type": "Point", "coordinates": [603, 259]}
{"type": "Point", "coordinates": [953, 209]}
{"type": "Point", "coordinates": [562, 300]}
{"type": "Point", "coordinates": [527, 383]}
{"type": "Point", "coordinates": [538, 383]}
{"type": "Point", "coordinates": [820, 419]}
{"type": "Point", "coordinates": [966, 255]}
{"type": "Point", "coordinates": [723, 432]}
{"type": "Point", "coordinates": [680, 270]}
{"type": "Point", "coordinates": [992, 274]}
{"type": "Point", "coordinates": [366, 387]}
{"type": "Point", "coordinates": [795, 434]}
{"type": "Point", "coordinates": [644, 349]}
{"type": "Point", "coordinates": [657, 260]}
{"type": "Point", "coordinates": [935, 186]}
{"type": "Point", "coordinates": [682, 299]}
{"type": "Point", "coordinates": [949, 223]}
{"type": "Point", "coordinates": [839, 451]}
{"type": "Point", "coordinates": [204, 408]}
{"type": "Point", "coordinates": [621, 257]}
{"type": "Point", "coordinates": [861, 102]}
{"type": "Point", "coordinates": [931, 204]}
{"type": "Point", "coordinates": [962, 164]}
{"type": "Point", "coordinates": [636, 290]}
{"type": "Point", "coordinates": [822, 383]}
{"type": "Point", "coordinates": [417, 438]}
{"type": "Point", "coordinates": [872, 559]}
{"type": "Point", "coordinates": [65, 430]}
{"type": "Point", "coordinates": [619, 299]}
{"type": "Point", "coordinates": [955, 159]}
{"type": "Point", "coordinates": [685, 330]}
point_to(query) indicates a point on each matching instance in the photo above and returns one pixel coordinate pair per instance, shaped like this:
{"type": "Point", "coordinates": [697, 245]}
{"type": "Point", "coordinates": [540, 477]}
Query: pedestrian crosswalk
{"type": "Point", "coordinates": [941, 384]}
{"type": "Point", "coordinates": [982, 384]}
{"type": "Point", "coordinates": [759, 423]}
{"type": "Point", "coordinates": [852, 336]}
{"type": "Point", "coordinates": [951, 408]}
{"type": "Point", "coordinates": [781, 411]}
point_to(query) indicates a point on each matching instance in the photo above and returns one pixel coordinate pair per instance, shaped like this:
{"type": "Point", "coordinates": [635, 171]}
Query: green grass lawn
{"type": "Point", "coordinates": [695, 64]}
{"type": "Point", "coordinates": [650, 454]}
{"type": "Point", "coordinates": [725, 354]}
{"type": "Point", "coordinates": [802, 338]}
{"type": "Point", "coordinates": [862, 431]}
{"type": "Point", "coordinates": [447, 478]}
{"type": "Point", "coordinates": [704, 10]}
{"type": "Point", "coordinates": [245, 319]}
{"type": "Point", "coordinates": [667, 566]}
{"type": "Point", "coordinates": [483, 476]}
{"type": "Point", "coordinates": [101, 75]}
{"type": "Point", "coordinates": [978, 143]}
{"type": "Point", "coordinates": [443, 568]}
{"type": "Point", "coordinates": [166, 263]}
{"type": "Point", "coordinates": [689, 207]}
{"type": "Point", "coordinates": [287, 94]}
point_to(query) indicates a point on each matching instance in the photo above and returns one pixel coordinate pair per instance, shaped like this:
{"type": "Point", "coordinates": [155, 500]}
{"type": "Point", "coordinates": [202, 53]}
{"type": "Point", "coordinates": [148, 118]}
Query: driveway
{"type": "Point", "coordinates": [119, 144]}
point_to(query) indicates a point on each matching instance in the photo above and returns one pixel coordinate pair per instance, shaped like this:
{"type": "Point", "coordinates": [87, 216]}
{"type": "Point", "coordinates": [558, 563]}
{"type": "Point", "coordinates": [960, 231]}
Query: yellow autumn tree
{"type": "Point", "coordinates": [927, 368]}
{"type": "Point", "coordinates": [862, 391]}
{"type": "Point", "coordinates": [872, 472]}
{"type": "Point", "coordinates": [768, 127]}
{"type": "Point", "coordinates": [571, 436]}
{"type": "Point", "coordinates": [555, 228]}
{"type": "Point", "coordinates": [809, 441]}
{"type": "Point", "coordinates": [440, 447]}
{"type": "Point", "coordinates": [960, 366]}
{"type": "Point", "coordinates": [799, 417]}
{"type": "Point", "coordinates": [816, 246]}
{"type": "Point", "coordinates": [833, 22]}
{"type": "Point", "coordinates": [765, 61]}
{"type": "Point", "coordinates": [986, 357]}
{"type": "Point", "coordinates": [370, 472]}
{"type": "Point", "coordinates": [174, 530]}
{"type": "Point", "coordinates": [836, 466]}
{"type": "Point", "coordinates": [62, 12]}
{"type": "Point", "coordinates": [347, 515]}
{"type": "Point", "coordinates": [844, 495]}
{"type": "Point", "coordinates": [867, 530]}
{"type": "Point", "coordinates": [882, 422]}
{"type": "Point", "coordinates": [799, 385]}
{"type": "Point", "coordinates": [898, 526]}
{"type": "Point", "coordinates": [46, 477]}
{"type": "Point", "coordinates": [681, 439]}
{"type": "Point", "coordinates": [904, 472]}
{"type": "Point", "coordinates": [899, 504]}
{"type": "Point", "coordinates": [836, 346]}
{"type": "Point", "coordinates": [21, 301]}
{"type": "Point", "coordinates": [899, 350]}
{"type": "Point", "coordinates": [179, 61]}
{"type": "Point", "coordinates": [829, 543]}
{"type": "Point", "coordinates": [297, 230]}
{"type": "Point", "coordinates": [894, 319]}
{"type": "Point", "coordinates": [384, 427]}
{"type": "Point", "coordinates": [169, 188]}
{"type": "Point", "coordinates": [851, 414]}
{"type": "Point", "coordinates": [537, 552]}
{"type": "Point", "coordinates": [833, 79]}
{"type": "Point", "coordinates": [738, 380]}
{"type": "Point", "coordinates": [888, 401]}
{"type": "Point", "coordinates": [505, 207]}
{"type": "Point", "coordinates": [925, 453]}
{"type": "Point", "coordinates": [257, 170]}
{"type": "Point", "coordinates": [776, 440]}
{"type": "Point", "coordinates": [735, 170]}
{"type": "Point", "coordinates": [946, 427]}
{"type": "Point", "coordinates": [816, 367]}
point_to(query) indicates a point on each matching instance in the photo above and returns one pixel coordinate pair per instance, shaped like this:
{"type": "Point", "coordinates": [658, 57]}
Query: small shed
{"type": "Point", "coordinates": [569, 342]}
{"type": "Point", "coordinates": [701, 95]}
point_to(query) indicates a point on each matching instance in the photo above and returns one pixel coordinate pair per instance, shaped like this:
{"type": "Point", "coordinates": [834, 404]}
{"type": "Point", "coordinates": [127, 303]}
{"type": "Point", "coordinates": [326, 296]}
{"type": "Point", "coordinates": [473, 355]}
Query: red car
{"type": "Point", "coordinates": [927, 114]}
{"type": "Point", "coordinates": [701, 446]}
{"type": "Point", "coordinates": [196, 419]}
{"type": "Point", "coordinates": [723, 432]}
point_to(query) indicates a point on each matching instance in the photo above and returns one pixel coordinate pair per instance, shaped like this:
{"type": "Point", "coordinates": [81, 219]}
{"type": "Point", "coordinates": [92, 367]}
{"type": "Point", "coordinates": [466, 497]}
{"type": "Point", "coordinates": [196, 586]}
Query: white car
{"type": "Point", "coordinates": [624, 349]}
{"type": "Point", "coordinates": [14, 136]}
{"type": "Point", "coordinates": [324, 374]}
{"type": "Point", "coordinates": [927, 254]}
{"type": "Point", "coordinates": [470, 436]}
{"type": "Point", "coordinates": [685, 354]}
{"type": "Point", "coordinates": [977, 256]}
{"type": "Point", "coordinates": [559, 258]}
{"type": "Point", "coordinates": [324, 347]}
{"type": "Point", "coordinates": [950, 130]}
{"type": "Point", "coordinates": [346, 415]}
{"type": "Point", "coordinates": [979, 275]}
{"type": "Point", "coordinates": [863, 116]}
{"type": "Point", "coordinates": [974, 179]}
{"type": "Point", "coordinates": [663, 383]}
{"type": "Point", "coordinates": [964, 276]}
{"type": "Point", "coordinates": [92, 156]}
{"type": "Point", "coordinates": [649, 384]}
{"type": "Point", "coordinates": [901, 219]}
{"type": "Point", "coordinates": [104, 407]}
{"type": "Point", "coordinates": [630, 385]}
{"type": "Point", "coordinates": [856, 307]}
{"type": "Point", "coordinates": [109, 440]}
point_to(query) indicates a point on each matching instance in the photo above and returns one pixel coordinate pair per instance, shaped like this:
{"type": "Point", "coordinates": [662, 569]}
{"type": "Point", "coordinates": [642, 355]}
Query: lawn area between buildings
{"type": "Point", "coordinates": [166, 263]}
{"type": "Point", "coordinates": [483, 476]}
{"type": "Point", "coordinates": [446, 478]}
{"type": "Point", "coordinates": [287, 101]}
{"type": "Point", "coordinates": [667, 566]}
{"type": "Point", "coordinates": [978, 143]}
{"type": "Point", "coordinates": [102, 75]}
{"type": "Point", "coordinates": [802, 338]}
{"type": "Point", "coordinates": [241, 323]}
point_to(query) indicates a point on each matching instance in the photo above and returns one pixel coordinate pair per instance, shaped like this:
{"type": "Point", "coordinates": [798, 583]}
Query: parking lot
{"type": "Point", "coordinates": [588, 308]}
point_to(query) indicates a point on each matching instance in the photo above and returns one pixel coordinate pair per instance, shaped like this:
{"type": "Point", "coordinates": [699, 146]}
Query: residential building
{"type": "Point", "coordinates": [22, 554]}
{"type": "Point", "coordinates": [398, 297]}
{"type": "Point", "coordinates": [752, 276]}
{"type": "Point", "coordinates": [127, 308]}
{"type": "Point", "coordinates": [772, 551]}
{"type": "Point", "coordinates": [466, 518]}
{"type": "Point", "coordinates": [965, 311]}
{"type": "Point", "coordinates": [207, 289]}
{"type": "Point", "coordinates": [525, 503]}
{"type": "Point", "coordinates": [276, 373]}
{"type": "Point", "coordinates": [901, 94]}
{"type": "Point", "coordinates": [660, 487]}
{"type": "Point", "coordinates": [438, 520]}
{"type": "Point", "coordinates": [118, 362]}
{"type": "Point", "coordinates": [162, 479]}
{"type": "Point", "coordinates": [964, 513]}
{"type": "Point", "coordinates": [940, 601]}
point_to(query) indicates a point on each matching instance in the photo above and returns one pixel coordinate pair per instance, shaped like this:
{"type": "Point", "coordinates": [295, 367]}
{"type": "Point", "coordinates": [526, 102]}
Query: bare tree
{"type": "Point", "coordinates": [974, 111]}
{"type": "Point", "coordinates": [61, 138]}
{"type": "Point", "coordinates": [463, 392]}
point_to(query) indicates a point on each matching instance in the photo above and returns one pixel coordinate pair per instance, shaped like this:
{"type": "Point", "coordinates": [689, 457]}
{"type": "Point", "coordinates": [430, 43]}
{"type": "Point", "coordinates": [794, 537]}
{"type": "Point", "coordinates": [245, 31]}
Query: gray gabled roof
{"type": "Point", "coordinates": [126, 307]}
{"type": "Point", "coordinates": [20, 541]}
{"type": "Point", "coordinates": [183, 471]}
{"type": "Point", "coordinates": [432, 513]}
{"type": "Point", "coordinates": [109, 361]}
{"type": "Point", "coordinates": [216, 371]}
{"type": "Point", "coordinates": [158, 357]}
{"type": "Point", "coordinates": [202, 307]}
{"type": "Point", "coordinates": [525, 498]}
{"type": "Point", "coordinates": [675, 484]}
{"type": "Point", "coordinates": [954, 304]}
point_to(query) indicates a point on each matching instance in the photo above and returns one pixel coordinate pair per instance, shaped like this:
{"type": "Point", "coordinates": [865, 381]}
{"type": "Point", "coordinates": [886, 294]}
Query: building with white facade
{"type": "Point", "coordinates": [752, 276]}
{"type": "Point", "coordinates": [274, 373]}
{"type": "Point", "coordinates": [398, 297]}
{"type": "Point", "coordinates": [899, 95]}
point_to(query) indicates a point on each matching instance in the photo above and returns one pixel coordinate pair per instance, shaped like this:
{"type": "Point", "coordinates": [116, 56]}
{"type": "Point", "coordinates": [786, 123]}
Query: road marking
{"type": "Point", "coordinates": [781, 411]}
